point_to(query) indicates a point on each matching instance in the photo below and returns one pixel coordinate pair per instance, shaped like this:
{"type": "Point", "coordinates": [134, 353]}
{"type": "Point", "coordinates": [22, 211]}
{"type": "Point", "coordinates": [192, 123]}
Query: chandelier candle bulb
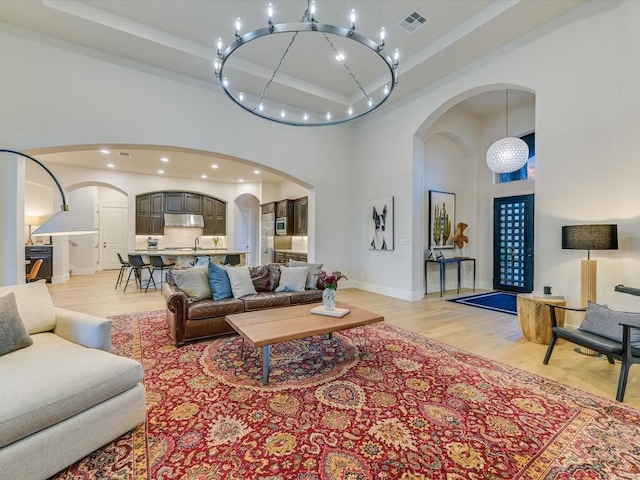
{"type": "Point", "coordinates": [382, 33]}
{"type": "Point", "coordinates": [219, 45]}
{"type": "Point", "coordinates": [238, 25]}
{"type": "Point", "coordinates": [353, 21]}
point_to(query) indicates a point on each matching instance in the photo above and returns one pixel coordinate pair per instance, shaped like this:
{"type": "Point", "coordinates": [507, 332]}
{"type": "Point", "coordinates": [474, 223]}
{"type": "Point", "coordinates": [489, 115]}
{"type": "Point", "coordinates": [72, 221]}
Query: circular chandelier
{"type": "Point", "coordinates": [508, 154]}
{"type": "Point", "coordinates": [306, 73]}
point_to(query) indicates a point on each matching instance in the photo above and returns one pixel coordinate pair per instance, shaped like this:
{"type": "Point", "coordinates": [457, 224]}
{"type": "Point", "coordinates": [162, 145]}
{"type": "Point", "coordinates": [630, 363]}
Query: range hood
{"type": "Point", "coordinates": [183, 220]}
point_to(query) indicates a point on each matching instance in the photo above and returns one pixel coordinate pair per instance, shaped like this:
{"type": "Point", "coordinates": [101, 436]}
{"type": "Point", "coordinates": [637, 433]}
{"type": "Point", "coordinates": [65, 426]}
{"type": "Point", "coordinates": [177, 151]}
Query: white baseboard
{"type": "Point", "coordinates": [83, 271]}
{"type": "Point", "coordinates": [389, 292]}
{"type": "Point", "coordinates": [60, 278]}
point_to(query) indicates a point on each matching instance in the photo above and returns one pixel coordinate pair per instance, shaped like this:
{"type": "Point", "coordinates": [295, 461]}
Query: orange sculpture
{"type": "Point", "coordinates": [460, 238]}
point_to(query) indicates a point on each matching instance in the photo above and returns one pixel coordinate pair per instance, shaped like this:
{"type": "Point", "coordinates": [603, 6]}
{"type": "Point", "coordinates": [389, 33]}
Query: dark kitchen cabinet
{"type": "Point", "coordinates": [284, 257]}
{"type": "Point", "coordinates": [221, 217]}
{"type": "Point", "coordinates": [150, 214]}
{"type": "Point", "coordinates": [214, 212]}
{"type": "Point", "coordinates": [300, 211]}
{"type": "Point", "coordinates": [151, 207]}
{"type": "Point", "coordinates": [45, 252]}
{"type": "Point", "coordinates": [284, 208]}
{"type": "Point", "coordinates": [183, 202]}
{"type": "Point", "coordinates": [267, 208]}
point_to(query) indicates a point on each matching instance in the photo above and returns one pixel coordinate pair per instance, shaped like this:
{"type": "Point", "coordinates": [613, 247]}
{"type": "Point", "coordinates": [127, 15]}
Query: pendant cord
{"type": "Point", "coordinates": [506, 116]}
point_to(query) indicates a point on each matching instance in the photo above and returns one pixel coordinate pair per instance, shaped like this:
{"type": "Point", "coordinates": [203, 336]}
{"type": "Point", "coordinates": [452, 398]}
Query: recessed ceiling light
{"type": "Point", "coordinates": [214, 166]}
{"type": "Point", "coordinates": [160, 171]}
{"type": "Point", "coordinates": [110, 165]}
{"type": "Point", "coordinates": [203, 176]}
{"type": "Point", "coordinates": [104, 150]}
{"type": "Point", "coordinates": [164, 159]}
{"type": "Point", "coordinates": [241, 180]}
{"type": "Point", "coordinates": [257, 172]}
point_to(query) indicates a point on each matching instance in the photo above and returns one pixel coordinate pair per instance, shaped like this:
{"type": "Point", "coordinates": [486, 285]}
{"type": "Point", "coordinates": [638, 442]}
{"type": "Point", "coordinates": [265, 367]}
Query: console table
{"type": "Point", "coordinates": [442, 263]}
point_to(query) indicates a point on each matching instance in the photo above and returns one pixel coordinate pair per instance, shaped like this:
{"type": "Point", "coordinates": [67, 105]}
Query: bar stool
{"type": "Point", "coordinates": [232, 260]}
{"type": "Point", "coordinates": [199, 258]}
{"type": "Point", "coordinates": [157, 263]}
{"type": "Point", "coordinates": [123, 268]}
{"type": "Point", "coordinates": [137, 265]}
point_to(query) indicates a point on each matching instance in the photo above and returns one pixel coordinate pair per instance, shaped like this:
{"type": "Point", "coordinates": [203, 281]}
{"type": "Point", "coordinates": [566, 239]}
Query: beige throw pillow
{"type": "Point", "coordinates": [312, 274]}
{"type": "Point", "coordinates": [194, 282]}
{"type": "Point", "coordinates": [240, 280]}
{"type": "Point", "coordinates": [292, 279]}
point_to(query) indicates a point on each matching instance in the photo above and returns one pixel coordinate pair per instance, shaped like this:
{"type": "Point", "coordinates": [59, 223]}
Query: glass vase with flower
{"type": "Point", "coordinates": [330, 284]}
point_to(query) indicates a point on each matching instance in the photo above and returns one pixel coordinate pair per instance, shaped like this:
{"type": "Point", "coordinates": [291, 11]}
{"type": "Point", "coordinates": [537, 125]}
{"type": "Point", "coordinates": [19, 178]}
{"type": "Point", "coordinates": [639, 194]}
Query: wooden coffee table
{"type": "Point", "coordinates": [263, 328]}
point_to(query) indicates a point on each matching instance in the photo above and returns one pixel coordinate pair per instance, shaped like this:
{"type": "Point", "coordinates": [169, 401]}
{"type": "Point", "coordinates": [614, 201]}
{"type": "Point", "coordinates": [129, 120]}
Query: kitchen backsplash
{"type": "Point", "coordinates": [299, 244]}
{"type": "Point", "coordinates": [180, 237]}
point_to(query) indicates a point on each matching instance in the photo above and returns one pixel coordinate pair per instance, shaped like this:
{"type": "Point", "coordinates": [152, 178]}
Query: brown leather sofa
{"type": "Point", "coordinates": [206, 318]}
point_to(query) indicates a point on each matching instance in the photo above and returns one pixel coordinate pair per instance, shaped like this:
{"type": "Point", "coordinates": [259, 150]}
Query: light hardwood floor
{"type": "Point", "coordinates": [484, 332]}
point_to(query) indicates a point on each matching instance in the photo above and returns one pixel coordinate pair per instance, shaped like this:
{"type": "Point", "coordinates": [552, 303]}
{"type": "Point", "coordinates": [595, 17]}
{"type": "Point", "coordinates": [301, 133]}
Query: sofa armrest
{"type": "Point", "coordinates": [83, 329]}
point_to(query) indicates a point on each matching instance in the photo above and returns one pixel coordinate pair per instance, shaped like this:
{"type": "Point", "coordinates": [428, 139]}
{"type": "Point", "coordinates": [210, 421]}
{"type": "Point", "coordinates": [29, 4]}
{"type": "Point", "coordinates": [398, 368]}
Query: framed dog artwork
{"type": "Point", "coordinates": [442, 219]}
{"type": "Point", "coordinates": [380, 230]}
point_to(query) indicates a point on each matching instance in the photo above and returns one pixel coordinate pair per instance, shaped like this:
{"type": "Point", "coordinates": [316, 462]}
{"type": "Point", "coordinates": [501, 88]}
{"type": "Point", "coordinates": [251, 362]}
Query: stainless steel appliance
{"type": "Point", "coordinates": [281, 226]}
{"type": "Point", "coordinates": [267, 232]}
{"type": "Point", "coordinates": [152, 243]}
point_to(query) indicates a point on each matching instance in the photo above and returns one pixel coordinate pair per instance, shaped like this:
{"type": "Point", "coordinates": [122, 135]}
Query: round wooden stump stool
{"type": "Point", "coordinates": [534, 317]}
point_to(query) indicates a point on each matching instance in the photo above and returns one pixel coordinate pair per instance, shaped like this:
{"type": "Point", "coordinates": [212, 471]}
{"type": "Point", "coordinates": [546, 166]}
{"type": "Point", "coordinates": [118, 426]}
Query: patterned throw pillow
{"type": "Point", "coordinates": [13, 334]}
{"type": "Point", "coordinates": [260, 277]}
{"type": "Point", "coordinates": [606, 323]}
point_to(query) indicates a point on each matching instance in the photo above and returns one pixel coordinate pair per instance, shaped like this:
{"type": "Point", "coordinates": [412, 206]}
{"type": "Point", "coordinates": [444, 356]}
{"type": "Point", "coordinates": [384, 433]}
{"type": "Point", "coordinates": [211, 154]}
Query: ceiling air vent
{"type": "Point", "coordinates": [413, 22]}
{"type": "Point", "coordinates": [124, 154]}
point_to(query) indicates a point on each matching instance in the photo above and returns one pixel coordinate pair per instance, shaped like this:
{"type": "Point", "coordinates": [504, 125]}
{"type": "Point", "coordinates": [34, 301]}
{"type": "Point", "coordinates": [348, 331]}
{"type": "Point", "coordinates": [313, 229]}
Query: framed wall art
{"type": "Point", "coordinates": [380, 224]}
{"type": "Point", "coordinates": [442, 213]}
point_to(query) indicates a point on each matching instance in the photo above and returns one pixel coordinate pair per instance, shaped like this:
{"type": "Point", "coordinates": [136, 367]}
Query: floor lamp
{"type": "Point", "coordinates": [63, 222]}
{"type": "Point", "coordinates": [589, 237]}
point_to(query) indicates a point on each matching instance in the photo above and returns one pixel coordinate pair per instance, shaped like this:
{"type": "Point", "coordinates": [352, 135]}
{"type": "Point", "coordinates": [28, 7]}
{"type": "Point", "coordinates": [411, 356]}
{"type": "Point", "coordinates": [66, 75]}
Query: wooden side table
{"type": "Point", "coordinates": [534, 317]}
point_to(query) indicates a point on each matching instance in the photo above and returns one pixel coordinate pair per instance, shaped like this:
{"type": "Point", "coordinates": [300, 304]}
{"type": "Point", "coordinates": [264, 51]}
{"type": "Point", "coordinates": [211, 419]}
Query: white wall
{"type": "Point", "coordinates": [587, 167]}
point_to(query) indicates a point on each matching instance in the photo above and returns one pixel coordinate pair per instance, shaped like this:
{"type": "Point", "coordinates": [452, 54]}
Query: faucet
{"type": "Point", "coordinates": [196, 243]}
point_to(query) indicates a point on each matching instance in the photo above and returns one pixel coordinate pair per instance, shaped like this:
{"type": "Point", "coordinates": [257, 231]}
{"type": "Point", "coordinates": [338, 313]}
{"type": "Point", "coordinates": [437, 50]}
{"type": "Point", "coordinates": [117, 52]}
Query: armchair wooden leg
{"type": "Point", "coordinates": [622, 383]}
{"type": "Point", "coordinates": [552, 344]}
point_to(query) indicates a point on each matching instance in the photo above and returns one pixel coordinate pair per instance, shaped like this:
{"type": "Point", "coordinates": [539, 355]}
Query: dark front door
{"type": "Point", "coordinates": [513, 243]}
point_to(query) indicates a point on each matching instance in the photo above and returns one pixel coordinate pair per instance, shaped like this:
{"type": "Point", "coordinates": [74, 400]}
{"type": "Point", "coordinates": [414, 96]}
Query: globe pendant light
{"type": "Point", "coordinates": [508, 154]}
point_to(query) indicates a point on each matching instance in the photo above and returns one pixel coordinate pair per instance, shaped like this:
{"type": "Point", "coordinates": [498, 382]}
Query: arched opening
{"type": "Point", "coordinates": [246, 226]}
{"type": "Point", "coordinates": [449, 155]}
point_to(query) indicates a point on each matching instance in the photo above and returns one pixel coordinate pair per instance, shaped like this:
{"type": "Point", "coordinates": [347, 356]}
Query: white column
{"type": "Point", "coordinates": [12, 251]}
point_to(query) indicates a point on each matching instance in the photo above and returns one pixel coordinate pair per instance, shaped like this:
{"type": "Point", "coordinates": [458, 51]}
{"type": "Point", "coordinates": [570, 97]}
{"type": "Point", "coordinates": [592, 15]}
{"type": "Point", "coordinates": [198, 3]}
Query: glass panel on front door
{"type": "Point", "coordinates": [513, 243]}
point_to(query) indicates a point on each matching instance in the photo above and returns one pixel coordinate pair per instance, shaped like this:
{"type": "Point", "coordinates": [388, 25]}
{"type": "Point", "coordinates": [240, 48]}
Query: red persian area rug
{"type": "Point", "coordinates": [375, 402]}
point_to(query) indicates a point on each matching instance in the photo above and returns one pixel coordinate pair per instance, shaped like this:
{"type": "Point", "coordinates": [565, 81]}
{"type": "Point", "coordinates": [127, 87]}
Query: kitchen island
{"type": "Point", "coordinates": [184, 256]}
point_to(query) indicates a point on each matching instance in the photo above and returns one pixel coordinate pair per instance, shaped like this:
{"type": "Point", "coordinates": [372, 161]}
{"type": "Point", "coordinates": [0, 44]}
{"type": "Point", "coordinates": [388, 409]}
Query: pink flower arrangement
{"type": "Point", "coordinates": [330, 281]}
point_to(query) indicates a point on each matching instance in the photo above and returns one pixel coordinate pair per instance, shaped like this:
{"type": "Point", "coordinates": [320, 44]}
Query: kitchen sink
{"type": "Point", "coordinates": [180, 249]}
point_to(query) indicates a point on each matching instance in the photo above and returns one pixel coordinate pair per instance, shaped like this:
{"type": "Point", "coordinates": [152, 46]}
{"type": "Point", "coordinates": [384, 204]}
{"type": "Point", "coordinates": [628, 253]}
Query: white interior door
{"type": "Point", "coordinates": [113, 230]}
{"type": "Point", "coordinates": [246, 235]}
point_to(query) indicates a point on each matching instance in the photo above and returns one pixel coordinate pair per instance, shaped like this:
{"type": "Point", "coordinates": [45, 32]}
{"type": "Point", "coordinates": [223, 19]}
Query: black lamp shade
{"type": "Point", "coordinates": [590, 237]}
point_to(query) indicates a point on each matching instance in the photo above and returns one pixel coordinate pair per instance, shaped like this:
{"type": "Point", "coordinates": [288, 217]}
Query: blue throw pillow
{"type": "Point", "coordinates": [219, 281]}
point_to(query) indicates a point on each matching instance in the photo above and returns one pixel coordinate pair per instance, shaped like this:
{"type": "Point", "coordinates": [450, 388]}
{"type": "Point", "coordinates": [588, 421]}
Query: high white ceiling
{"type": "Point", "coordinates": [180, 36]}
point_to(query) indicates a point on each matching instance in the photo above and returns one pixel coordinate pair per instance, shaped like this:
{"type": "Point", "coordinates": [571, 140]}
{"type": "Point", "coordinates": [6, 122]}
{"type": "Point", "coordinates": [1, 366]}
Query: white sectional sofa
{"type": "Point", "coordinates": [65, 395]}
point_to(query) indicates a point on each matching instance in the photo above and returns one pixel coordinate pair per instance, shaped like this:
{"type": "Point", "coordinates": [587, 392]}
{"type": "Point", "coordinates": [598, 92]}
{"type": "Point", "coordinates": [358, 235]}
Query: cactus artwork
{"type": "Point", "coordinates": [441, 225]}
{"type": "Point", "coordinates": [441, 221]}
